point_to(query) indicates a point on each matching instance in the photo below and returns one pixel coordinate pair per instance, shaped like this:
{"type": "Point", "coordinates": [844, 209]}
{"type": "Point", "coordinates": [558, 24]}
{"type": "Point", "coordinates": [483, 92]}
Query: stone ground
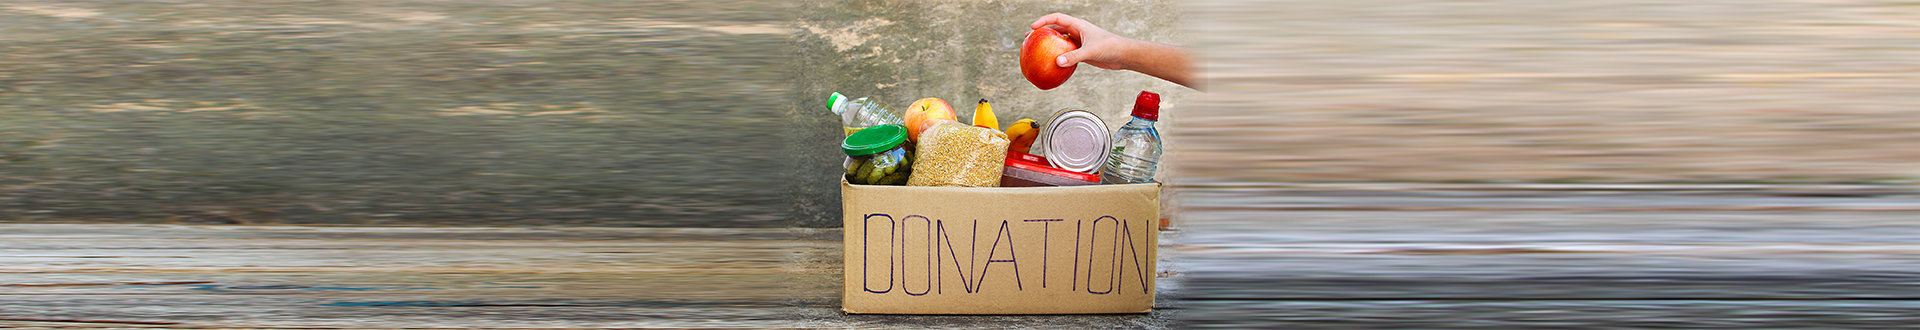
{"type": "Point", "coordinates": [1728, 257]}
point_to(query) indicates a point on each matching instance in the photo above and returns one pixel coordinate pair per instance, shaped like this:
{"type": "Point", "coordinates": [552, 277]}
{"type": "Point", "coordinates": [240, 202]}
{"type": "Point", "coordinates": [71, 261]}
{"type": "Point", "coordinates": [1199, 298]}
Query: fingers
{"type": "Point", "coordinates": [1054, 19]}
{"type": "Point", "coordinates": [1067, 25]}
{"type": "Point", "coordinates": [1064, 31]}
{"type": "Point", "coordinates": [1070, 58]}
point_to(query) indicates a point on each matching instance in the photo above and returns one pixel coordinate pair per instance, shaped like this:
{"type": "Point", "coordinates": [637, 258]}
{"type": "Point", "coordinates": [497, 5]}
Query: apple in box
{"type": "Point", "coordinates": [924, 113]}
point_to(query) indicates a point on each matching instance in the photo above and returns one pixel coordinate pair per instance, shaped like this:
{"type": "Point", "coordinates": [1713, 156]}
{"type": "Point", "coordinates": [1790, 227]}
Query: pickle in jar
{"type": "Point", "coordinates": [877, 155]}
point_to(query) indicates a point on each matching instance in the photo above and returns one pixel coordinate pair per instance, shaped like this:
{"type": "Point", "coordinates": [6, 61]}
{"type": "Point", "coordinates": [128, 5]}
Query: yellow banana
{"type": "Point", "coordinates": [1022, 133]}
{"type": "Point", "coordinates": [983, 116]}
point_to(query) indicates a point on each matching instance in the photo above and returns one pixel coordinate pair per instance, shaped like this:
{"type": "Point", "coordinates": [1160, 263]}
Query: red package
{"type": "Point", "coordinates": [1029, 170]}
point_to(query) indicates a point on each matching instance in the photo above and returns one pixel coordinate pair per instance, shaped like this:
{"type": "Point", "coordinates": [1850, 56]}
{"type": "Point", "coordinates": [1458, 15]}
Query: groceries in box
{"type": "Point", "coordinates": [928, 230]}
{"type": "Point", "coordinates": [928, 146]}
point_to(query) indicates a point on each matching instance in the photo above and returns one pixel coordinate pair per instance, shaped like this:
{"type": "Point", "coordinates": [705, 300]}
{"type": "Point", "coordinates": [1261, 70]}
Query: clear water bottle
{"type": "Point", "coordinates": [857, 114]}
{"type": "Point", "coordinates": [1136, 146]}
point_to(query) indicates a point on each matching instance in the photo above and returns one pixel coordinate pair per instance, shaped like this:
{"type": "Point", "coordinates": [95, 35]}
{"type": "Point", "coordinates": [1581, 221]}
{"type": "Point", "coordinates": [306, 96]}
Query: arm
{"type": "Point", "coordinates": [1113, 52]}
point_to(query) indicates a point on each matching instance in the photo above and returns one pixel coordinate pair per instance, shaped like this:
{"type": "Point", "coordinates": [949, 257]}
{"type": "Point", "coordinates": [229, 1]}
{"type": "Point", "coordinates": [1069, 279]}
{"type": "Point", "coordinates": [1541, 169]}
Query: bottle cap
{"type": "Point", "coordinates": [1147, 106]}
{"type": "Point", "coordinates": [834, 101]}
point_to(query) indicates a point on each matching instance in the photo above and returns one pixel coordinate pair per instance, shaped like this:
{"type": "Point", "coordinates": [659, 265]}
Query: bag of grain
{"type": "Point", "coordinates": [953, 154]}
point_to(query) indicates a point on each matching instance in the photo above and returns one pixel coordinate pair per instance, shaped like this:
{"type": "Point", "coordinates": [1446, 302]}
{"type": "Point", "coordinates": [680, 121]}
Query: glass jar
{"type": "Point", "coordinates": [878, 155]}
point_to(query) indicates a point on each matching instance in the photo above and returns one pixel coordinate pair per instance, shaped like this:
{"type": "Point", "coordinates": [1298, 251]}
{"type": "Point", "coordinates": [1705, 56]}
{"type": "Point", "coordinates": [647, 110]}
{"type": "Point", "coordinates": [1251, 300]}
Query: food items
{"type": "Point", "coordinates": [1022, 132]}
{"type": "Point", "coordinates": [923, 114]}
{"type": "Point", "coordinates": [953, 154]}
{"type": "Point", "coordinates": [983, 115]}
{"type": "Point", "coordinates": [1028, 170]}
{"type": "Point", "coordinates": [1076, 140]}
{"type": "Point", "coordinates": [1037, 56]}
{"type": "Point", "coordinates": [931, 147]}
{"type": "Point", "coordinates": [878, 155]}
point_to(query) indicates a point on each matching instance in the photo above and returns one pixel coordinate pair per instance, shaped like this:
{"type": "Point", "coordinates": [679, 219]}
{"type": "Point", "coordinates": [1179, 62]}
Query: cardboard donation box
{"type": "Point", "coordinates": [1030, 250]}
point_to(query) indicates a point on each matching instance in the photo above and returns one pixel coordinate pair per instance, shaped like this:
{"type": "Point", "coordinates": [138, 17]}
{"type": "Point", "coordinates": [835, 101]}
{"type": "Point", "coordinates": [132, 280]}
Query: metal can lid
{"type": "Point", "coordinates": [1076, 140]}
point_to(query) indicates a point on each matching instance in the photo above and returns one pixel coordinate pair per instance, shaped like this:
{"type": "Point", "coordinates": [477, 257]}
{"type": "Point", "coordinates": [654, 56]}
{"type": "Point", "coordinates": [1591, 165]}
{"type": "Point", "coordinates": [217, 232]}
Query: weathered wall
{"type": "Point", "coordinates": [616, 113]}
{"type": "Point", "coordinates": [683, 113]}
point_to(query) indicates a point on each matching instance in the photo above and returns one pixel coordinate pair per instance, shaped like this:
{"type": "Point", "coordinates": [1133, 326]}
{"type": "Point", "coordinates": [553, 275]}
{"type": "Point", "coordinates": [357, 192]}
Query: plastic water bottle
{"type": "Point", "coordinates": [861, 113]}
{"type": "Point", "coordinates": [1136, 146]}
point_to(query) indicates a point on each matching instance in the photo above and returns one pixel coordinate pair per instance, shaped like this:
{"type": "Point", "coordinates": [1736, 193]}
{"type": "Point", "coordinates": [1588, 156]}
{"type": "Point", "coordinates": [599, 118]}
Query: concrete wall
{"type": "Point", "coordinates": [1555, 91]}
{"type": "Point", "coordinates": [615, 113]}
{"type": "Point", "coordinates": [712, 113]}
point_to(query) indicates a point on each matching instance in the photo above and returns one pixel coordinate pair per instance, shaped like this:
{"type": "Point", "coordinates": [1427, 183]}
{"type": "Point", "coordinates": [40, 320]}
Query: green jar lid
{"type": "Point", "coordinates": [873, 140]}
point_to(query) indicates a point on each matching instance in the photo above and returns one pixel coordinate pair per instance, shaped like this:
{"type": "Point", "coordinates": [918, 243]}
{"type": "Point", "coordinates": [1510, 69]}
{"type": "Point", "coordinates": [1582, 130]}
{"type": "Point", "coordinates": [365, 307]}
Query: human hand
{"type": "Point", "coordinates": [1097, 46]}
{"type": "Point", "coordinates": [1113, 52]}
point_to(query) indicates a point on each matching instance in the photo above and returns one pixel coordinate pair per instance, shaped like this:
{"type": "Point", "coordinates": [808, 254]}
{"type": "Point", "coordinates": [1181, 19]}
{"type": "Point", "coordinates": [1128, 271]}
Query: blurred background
{"type": "Point", "coordinates": [1564, 91]}
{"type": "Point", "coordinates": [1360, 164]}
{"type": "Point", "coordinates": [1527, 164]}
{"type": "Point", "coordinates": [393, 112]}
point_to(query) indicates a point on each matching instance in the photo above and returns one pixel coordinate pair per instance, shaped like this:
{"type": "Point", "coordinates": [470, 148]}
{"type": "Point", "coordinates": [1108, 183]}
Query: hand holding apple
{"type": "Point", "coordinates": [1096, 46]}
{"type": "Point", "coordinates": [1039, 56]}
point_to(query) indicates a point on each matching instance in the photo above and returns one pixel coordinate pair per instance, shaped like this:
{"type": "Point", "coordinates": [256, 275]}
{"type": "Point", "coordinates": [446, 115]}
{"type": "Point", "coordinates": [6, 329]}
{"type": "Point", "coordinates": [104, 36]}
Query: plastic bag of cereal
{"type": "Point", "coordinates": [953, 154]}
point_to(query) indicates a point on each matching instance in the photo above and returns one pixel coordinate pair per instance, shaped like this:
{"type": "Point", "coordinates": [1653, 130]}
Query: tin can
{"type": "Point", "coordinates": [1076, 140]}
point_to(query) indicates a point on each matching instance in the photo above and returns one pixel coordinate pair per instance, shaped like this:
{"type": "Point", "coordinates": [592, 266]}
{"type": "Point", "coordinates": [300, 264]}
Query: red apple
{"type": "Point", "coordinates": [1037, 56]}
{"type": "Point", "coordinates": [924, 113]}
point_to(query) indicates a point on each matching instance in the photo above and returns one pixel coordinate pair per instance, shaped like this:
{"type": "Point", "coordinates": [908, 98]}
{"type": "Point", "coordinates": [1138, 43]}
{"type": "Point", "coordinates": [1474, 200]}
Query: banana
{"type": "Point", "coordinates": [983, 115]}
{"type": "Point", "coordinates": [1022, 133]}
